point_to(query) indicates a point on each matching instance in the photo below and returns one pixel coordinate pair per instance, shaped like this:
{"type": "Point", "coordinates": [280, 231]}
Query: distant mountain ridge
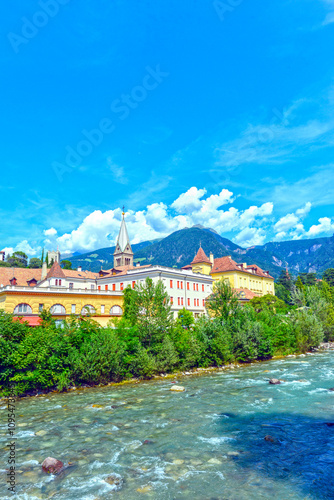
{"type": "Point", "coordinates": [180, 247]}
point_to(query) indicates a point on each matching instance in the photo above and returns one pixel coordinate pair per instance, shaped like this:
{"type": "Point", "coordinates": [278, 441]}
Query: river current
{"type": "Point", "coordinates": [206, 443]}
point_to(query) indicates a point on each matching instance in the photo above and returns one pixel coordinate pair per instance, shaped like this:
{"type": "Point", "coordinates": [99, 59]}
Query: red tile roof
{"type": "Point", "coordinates": [56, 271]}
{"type": "Point", "coordinates": [245, 294]}
{"type": "Point", "coordinates": [22, 275]}
{"type": "Point", "coordinates": [224, 264]}
{"type": "Point", "coordinates": [69, 273]}
{"type": "Point", "coordinates": [200, 257]}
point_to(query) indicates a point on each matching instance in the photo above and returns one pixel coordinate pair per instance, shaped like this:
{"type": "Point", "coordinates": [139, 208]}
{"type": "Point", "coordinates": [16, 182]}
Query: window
{"type": "Point", "coordinates": [181, 284]}
{"type": "Point", "coordinates": [99, 288]}
{"type": "Point", "coordinates": [71, 286]}
{"type": "Point", "coordinates": [171, 300]}
{"type": "Point", "coordinates": [188, 287]}
{"type": "Point", "coordinates": [106, 287]}
{"type": "Point", "coordinates": [88, 309]}
{"type": "Point", "coordinates": [181, 301]}
{"type": "Point", "coordinates": [196, 287]}
{"type": "Point", "coordinates": [178, 284]}
{"type": "Point", "coordinates": [202, 288]}
{"type": "Point", "coordinates": [195, 302]}
{"type": "Point", "coordinates": [56, 282]}
{"type": "Point", "coordinates": [59, 323]}
{"type": "Point", "coordinates": [171, 284]}
{"type": "Point", "coordinates": [73, 309]}
{"type": "Point", "coordinates": [178, 301]}
{"type": "Point", "coordinates": [57, 309]}
{"type": "Point", "coordinates": [188, 302]}
{"type": "Point", "coordinates": [40, 307]}
{"type": "Point", "coordinates": [116, 310]}
{"type": "Point", "coordinates": [23, 309]}
{"type": "Point", "coordinates": [133, 284]}
{"type": "Point", "coordinates": [59, 282]}
{"type": "Point", "coordinates": [92, 287]}
{"type": "Point", "coordinates": [121, 286]}
{"type": "Point", "coordinates": [13, 281]}
{"type": "Point", "coordinates": [102, 309]}
{"type": "Point", "coordinates": [114, 287]}
{"type": "Point", "coordinates": [203, 303]}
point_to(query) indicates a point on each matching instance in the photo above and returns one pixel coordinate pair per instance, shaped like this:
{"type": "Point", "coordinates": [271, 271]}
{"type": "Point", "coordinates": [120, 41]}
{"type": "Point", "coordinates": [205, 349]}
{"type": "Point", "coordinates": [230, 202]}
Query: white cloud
{"type": "Point", "coordinates": [250, 236]}
{"type": "Point", "coordinates": [325, 226]}
{"type": "Point", "coordinates": [292, 222]}
{"type": "Point", "coordinates": [50, 232]}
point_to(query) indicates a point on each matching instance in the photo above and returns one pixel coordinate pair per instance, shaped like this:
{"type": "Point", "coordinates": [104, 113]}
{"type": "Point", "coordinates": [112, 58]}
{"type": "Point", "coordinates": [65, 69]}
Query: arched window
{"type": "Point", "coordinates": [88, 309]}
{"type": "Point", "coordinates": [116, 310]}
{"type": "Point", "coordinates": [57, 309]}
{"type": "Point", "coordinates": [23, 309]}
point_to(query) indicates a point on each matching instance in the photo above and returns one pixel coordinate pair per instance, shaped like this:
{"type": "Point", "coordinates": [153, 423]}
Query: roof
{"type": "Point", "coordinates": [123, 237]}
{"type": "Point", "coordinates": [56, 271]}
{"type": "Point", "coordinates": [69, 273]}
{"type": "Point", "coordinates": [200, 257]}
{"type": "Point", "coordinates": [259, 271]}
{"type": "Point", "coordinates": [224, 264]}
{"type": "Point", "coordinates": [31, 320]}
{"type": "Point", "coordinates": [188, 266]}
{"type": "Point", "coordinates": [22, 275]}
{"type": "Point", "coordinates": [245, 294]}
{"type": "Point", "coordinates": [121, 270]}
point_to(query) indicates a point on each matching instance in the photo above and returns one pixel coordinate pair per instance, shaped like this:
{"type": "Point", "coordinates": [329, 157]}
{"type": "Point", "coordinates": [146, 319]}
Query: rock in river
{"type": "Point", "coordinates": [274, 381]}
{"type": "Point", "coordinates": [177, 388]}
{"type": "Point", "coordinates": [52, 465]}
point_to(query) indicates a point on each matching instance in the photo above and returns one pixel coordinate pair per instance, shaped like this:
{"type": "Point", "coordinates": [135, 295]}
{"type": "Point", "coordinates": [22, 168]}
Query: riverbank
{"type": "Point", "coordinates": [325, 346]}
{"type": "Point", "coordinates": [206, 442]}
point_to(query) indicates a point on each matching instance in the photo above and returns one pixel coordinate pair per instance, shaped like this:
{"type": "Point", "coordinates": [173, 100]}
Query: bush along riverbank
{"type": "Point", "coordinates": [147, 341]}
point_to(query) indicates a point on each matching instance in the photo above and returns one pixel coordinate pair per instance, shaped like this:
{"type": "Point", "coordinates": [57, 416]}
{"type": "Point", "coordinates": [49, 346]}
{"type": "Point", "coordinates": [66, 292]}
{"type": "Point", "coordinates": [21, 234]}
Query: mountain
{"type": "Point", "coordinates": [180, 247]}
{"type": "Point", "coordinates": [92, 261]}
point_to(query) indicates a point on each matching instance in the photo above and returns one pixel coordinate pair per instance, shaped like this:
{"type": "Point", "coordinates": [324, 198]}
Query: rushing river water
{"type": "Point", "coordinates": [205, 443]}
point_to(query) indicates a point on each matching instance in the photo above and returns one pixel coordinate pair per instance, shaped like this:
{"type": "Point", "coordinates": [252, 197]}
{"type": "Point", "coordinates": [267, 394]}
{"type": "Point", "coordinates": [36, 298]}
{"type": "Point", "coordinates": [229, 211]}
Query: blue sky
{"type": "Point", "coordinates": [210, 112]}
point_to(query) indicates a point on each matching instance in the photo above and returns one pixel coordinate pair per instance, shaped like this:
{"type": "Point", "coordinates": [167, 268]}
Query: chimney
{"type": "Point", "coordinates": [211, 258]}
{"type": "Point", "coordinates": [44, 270]}
{"type": "Point", "coordinates": [79, 269]}
{"type": "Point", "coordinates": [138, 264]}
{"type": "Point", "coordinates": [244, 265]}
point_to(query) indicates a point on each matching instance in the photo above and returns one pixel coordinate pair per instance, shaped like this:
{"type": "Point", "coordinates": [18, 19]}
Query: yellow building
{"type": "Point", "coordinates": [25, 293]}
{"type": "Point", "coordinates": [248, 280]}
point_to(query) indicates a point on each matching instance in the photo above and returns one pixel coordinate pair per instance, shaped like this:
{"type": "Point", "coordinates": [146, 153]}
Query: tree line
{"type": "Point", "coordinates": [21, 259]}
{"type": "Point", "coordinates": [147, 340]}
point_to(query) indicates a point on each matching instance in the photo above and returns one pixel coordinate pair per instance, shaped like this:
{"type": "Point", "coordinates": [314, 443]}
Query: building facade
{"type": "Point", "coordinates": [26, 292]}
{"type": "Point", "coordinates": [248, 280]}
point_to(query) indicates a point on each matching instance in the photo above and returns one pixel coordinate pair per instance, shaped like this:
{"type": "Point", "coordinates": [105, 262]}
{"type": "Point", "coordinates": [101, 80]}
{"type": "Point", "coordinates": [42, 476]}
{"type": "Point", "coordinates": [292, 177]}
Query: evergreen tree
{"type": "Point", "coordinates": [42, 257]}
{"type": "Point", "coordinates": [285, 280]}
{"type": "Point", "coordinates": [299, 284]}
{"type": "Point", "coordinates": [328, 276]}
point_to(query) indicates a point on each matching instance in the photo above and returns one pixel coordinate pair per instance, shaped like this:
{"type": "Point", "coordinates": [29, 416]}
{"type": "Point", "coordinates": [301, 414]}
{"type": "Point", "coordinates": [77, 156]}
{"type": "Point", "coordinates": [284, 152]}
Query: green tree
{"type": "Point", "coordinates": [66, 264]}
{"type": "Point", "coordinates": [147, 306]}
{"type": "Point", "coordinates": [284, 280]}
{"type": "Point", "coordinates": [308, 279]}
{"type": "Point", "coordinates": [270, 302]}
{"type": "Point", "coordinates": [185, 318]}
{"type": "Point", "coordinates": [328, 276]}
{"type": "Point", "coordinates": [223, 301]}
{"type": "Point", "coordinates": [18, 259]}
{"type": "Point", "coordinates": [299, 284]}
{"type": "Point", "coordinates": [35, 263]}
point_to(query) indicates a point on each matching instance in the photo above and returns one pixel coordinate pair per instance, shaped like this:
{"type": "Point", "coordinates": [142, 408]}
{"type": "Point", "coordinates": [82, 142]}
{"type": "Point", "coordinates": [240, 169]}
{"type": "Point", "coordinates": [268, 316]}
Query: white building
{"type": "Point", "coordinates": [2, 256]}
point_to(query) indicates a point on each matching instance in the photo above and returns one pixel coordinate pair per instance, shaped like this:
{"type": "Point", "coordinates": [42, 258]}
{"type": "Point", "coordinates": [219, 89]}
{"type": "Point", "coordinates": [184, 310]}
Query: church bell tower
{"type": "Point", "coordinates": [123, 254]}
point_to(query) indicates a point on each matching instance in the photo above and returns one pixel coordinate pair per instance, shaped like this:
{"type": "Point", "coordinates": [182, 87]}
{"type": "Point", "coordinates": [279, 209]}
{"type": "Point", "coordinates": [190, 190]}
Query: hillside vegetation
{"type": "Point", "coordinates": [180, 247]}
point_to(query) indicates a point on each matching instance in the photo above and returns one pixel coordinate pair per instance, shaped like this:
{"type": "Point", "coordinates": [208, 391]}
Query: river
{"type": "Point", "coordinates": [206, 443]}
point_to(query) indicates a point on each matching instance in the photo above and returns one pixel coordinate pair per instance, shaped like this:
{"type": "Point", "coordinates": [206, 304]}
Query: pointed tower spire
{"type": "Point", "coordinates": [123, 255]}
